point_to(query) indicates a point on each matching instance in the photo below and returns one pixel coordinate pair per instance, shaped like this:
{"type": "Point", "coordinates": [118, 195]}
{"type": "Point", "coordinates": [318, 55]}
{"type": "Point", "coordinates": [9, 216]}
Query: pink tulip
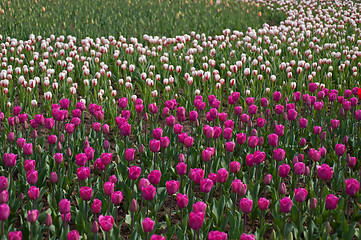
{"type": "Point", "coordinates": [164, 142]}
{"type": "Point", "coordinates": [4, 196]}
{"type": "Point", "coordinates": [331, 201]}
{"type": "Point", "coordinates": [247, 237]}
{"type": "Point", "coordinates": [279, 154]}
{"type": "Point", "coordinates": [154, 145]}
{"type": "Point", "coordinates": [148, 225]}
{"type": "Point", "coordinates": [17, 235]}
{"type": "Point", "coordinates": [86, 193]}
{"type": "Point", "coordinates": [324, 172]}
{"type": "Point", "coordinates": [58, 157]}
{"type": "Point", "coordinates": [73, 235]}
{"type": "Point", "coordinates": [96, 206]}
{"type": "Point", "coordinates": [216, 235]}
{"type": "Point", "coordinates": [117, 197]}
{"type": "Point", "coordinates": [149, 192]}
{"type": "Point", "coordinates": [246, 205]}
{"type": "Point", "coordinates": [53, 177]}
{"type": "Point", "coordinates": [4, 183]}
{"type": "Point", "coordinates": [181, 168]}
{"type": "Point", "coordinates": [313, 203]}
{"type": "Point", "coordinates": [108, 188]}
{"type": "Point", "coordinates": [267, 179]}
{"type": "Point", "coordinates": [52, 139]}
{"type": "Point", "coordinates": [32, 177]}
{"type": "Point", "coordinates": [123, 102]}
{"type": "Point", "coordinates": [238, 187]}
{"type": "Point", "coordinates": [4, 212]}
{"type": "Point", "coordinates": [253, 141]}
{"type": "Point", "coordinates": [197, 175]}
{"type": "Point", "coordinates": [64, 206]}
{"type": "Point", "coordinates": [199, 207]}
{"type": "Point", "coordinates": [129, 154]}
{"type": "Point", "coordinates": [259, 157]}
{"type": "Point", "coordinates": [83, 173]}
{"type": "Point", "coordinates": [81, 159]}
{"type": "Point", "coordinates": [157, 237]}
{"type": "Point", "coordinates": [206, 185]}
{"type": "Point", "coordinates": [29, 165]}
{"type": "Point", "coordinates": [157, 133]}
{"type": "Point", "coordinates": [273, 140]}
{"type": "Point", "coordinates": [126, 129]}
{"type": "Point", "coordinates": [286, 205]}
{"type": "Point", "coordinates": [154, 177]}
{"type": "Point", "coordinates": [241, 138]}
{"type": "Point", "coordinates": [182, 200]}
{"type": "Point", "coordinates": [263, 204]}
{"type": "Point", "coordinates": [172, 186]}
{"type": "Point", "coordinates": [283, 170]}
{"type": "Point", "coordinates": [299, 168]}
{"type": "Point", "coordinates": [300, 194]}
{"type": "Point", "coordinates": [235, 167]}
{"type": "Point", "coordinates": [352, 186]}
{"type": "Point", "coordinates": [32, 216]}
{"type": "Point", "coordinates": [230, 146]}
{"type": "Point", "coordinates": [196, 220]}
{"type": "Point", "coordinates": [340, 149]}
{"type": "Point", "coordinates": [28, 149]}
{"type": "Point", "coordinates": [33, 193]}
{"type": "Point", "coordinates": [303, 122]}
{"type": "Point", "coordinates": [134, 172]}
{"type": "Point", "coordinates": [206, 155]}
{"type": "Point", "coordinates": [222, 175]}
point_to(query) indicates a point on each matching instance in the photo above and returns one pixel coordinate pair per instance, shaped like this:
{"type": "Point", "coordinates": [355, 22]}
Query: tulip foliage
{"type": "Point", "coordinates": [242, 135]}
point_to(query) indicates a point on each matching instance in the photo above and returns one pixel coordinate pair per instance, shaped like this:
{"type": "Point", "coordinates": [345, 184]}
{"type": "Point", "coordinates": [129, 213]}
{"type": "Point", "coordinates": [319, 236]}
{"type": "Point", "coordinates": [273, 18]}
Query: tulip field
{"type": "Point", "coordinates": [178, 127]}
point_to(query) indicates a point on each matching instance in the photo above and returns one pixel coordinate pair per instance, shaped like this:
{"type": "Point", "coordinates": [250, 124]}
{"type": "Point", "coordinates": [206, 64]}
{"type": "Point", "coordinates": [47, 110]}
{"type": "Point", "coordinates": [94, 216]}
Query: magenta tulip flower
{"type": "Point", "coordinates": [148, 225]}
{"type": "Point", "coordinates": [216, 235]}
{"type": "Point", "coordinates": [300, 194]}
{"type": "Point", "coordinates": [246, 205]}
{"type": "Point", "coordinates": [106, 222]}
{"type": "Point", "coordinates": [86, 193]}
{"type": "Point", "coordinates": [196, 220]}
{"type": "Point", "coordinates": [331, 201]}
{"type": "Point", "coordinates": [17, 235]}
{"type": "Point", "coordinates": [64, 206]}
{"type": "Point", "coordinates": [172, 186]}
{"type": "Point", "coordinates": [352, 186]}
{"type": "Point", "coordinates": [73, 235]}
{"type": "Point", "coordinates": [286, 205]}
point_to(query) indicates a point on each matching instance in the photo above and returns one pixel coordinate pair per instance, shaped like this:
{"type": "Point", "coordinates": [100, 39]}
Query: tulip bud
{"type": "Point", "coordinates": [59, 147]}
{"type": "Point", "coordinates": [181, 157]}
{"type": "Point", "coordinates": [39, 149]}
{"type": "Point", "coordinates": [68, 152]}
{"type": "Point", "coordinates": [328, 227]}
{"type": "Point", "coordinates": [141, 148]}
{"type": "Point", "coordinates": [106, 145]}
{"type": "Point", "coordinates": [53, 177]}
{"type": "Point", "coordinates": [282, 188]}
{"type": "Point", "coordinates": [34, 134]}
{"type": "Point", "coordinates": [48, 220]}
{"type": "Point", "coordinates": [95, 227]}
{"type": "Point", "coordinates": [267, 179]}
{"type": "Point", "coordinates": [133, 205]}
{"type": "Point", "coordinates": [345, 139]}
{"type": "Point", "coordinates": [313, 203]}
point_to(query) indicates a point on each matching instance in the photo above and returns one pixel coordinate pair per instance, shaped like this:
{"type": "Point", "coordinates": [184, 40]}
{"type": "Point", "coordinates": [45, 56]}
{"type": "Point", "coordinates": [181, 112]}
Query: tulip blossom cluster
{"type": "Point", "coordinates": [242, 135]}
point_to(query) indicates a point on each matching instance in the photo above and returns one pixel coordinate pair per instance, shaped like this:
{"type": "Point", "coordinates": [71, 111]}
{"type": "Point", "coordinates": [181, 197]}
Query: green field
{"type": "Point", "coordinates": [130, 18]}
